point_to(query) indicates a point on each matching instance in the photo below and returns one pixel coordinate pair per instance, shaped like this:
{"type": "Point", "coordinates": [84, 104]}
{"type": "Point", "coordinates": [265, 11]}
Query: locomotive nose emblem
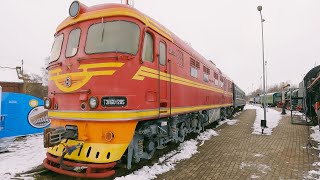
{"type": "Point", "coordinates": [67, 82]}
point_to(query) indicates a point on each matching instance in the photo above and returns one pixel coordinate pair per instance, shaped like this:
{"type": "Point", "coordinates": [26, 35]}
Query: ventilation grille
{"type": "Point", "coordinates": [194, 63]}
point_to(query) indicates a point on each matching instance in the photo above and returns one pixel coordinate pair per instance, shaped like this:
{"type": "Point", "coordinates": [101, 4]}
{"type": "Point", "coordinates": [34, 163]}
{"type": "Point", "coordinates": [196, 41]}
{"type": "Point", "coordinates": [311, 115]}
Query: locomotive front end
{"type": "Point", "coordinates": [92, 101]}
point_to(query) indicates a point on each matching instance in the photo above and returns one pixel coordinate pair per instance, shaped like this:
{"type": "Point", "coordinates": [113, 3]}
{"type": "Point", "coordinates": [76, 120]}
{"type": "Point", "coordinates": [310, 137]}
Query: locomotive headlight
{"type": "Point", "coordinates": [93, 102]}
{"type": "Point", "coordinates": [74, 9]}
{"type": "Point", "coordinates": [47, 103]}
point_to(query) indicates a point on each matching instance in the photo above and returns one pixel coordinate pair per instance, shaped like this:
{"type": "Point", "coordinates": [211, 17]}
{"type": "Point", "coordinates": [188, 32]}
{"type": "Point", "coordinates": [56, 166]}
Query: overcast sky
{"type": "Point", "coordinates": [225, 31]}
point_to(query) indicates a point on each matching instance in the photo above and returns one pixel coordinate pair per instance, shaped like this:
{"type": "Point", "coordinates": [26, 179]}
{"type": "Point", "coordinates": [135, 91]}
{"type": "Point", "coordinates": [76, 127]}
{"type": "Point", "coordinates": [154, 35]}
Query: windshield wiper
{"type": "Point", "coordinates": [102, 35]}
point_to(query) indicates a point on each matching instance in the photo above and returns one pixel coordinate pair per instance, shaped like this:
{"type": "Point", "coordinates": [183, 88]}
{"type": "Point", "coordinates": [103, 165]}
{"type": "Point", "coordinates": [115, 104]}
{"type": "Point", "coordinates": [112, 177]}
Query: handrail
{"type": "Point", "coordinates": [81, 91]}
{"type": "Point", "coordinates": [88, 58]}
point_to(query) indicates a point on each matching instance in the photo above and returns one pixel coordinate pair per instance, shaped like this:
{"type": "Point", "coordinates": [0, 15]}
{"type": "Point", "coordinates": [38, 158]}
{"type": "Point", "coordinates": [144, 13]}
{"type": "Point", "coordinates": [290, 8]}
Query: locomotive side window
{"type": "Point", "coordinates": [194, 66]}
{"type": "Point", "coordinates": [147, 52]}
{"type": "Point", "coordinates": [206, 73]}
{"type": "Point", "coordinates": [114, 36]}
{"type": "Point", "coordinates": [221, 81]}
{"type": "Point", "coordinates": [216, 79]}
{"type": "Point", "coordinates": [56, 48]}
{"type": "Point", "coordinates": [73, 43]}
{"type": "Point", "coordinates": [162, 53]}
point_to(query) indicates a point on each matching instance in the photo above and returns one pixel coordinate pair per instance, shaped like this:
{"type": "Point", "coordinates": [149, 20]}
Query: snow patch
{"type": "Point", "coordinates": [315, 135]}
{"type": "Point", "coordinates": [273, 118]}
{"type": "Point", "coordinates": [258, 155]}
{"type": "Point", "coordinates": [232, 122]}
{"type": "Point", "coordinates": [252, 106]}
{"type": "Point", "coordinates": [260, 167]}
{"type": "Point", "coordinates": [254, 176]}
{"type": "Point", "coordinates": [24, 154]}
{"type": "Point", "coordinates": [168, 162]}
{"type": "Point", "coordinates": [228, 121]}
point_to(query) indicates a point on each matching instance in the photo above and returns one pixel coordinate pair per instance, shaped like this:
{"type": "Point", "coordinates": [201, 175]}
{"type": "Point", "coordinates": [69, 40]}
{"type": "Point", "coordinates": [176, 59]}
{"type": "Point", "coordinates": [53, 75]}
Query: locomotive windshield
{"type": "Point", "coordinates": [114, 36]}
{"type": "Point", "coordinates": [56, 48]}
{"type": "Point", "coordinates": [73, 43]}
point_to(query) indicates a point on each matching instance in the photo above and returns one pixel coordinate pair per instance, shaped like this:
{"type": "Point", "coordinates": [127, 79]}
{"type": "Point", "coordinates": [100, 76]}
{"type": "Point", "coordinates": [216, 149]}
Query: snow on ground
{"type": "Point", "coordinates": [232, 122]}
{"type": "Point", "coordinates": [272, 115]}
{"type": "Point", "coordinates": [258, 155]}
{"type": "Point", "coordinates": [252, 106]}
{"type": "Point", "coordinates": [260, 167]}
{"type": "Point", "coordinates": [254, 176]}
{"type": "Point", "coordinates": [315, 135]}
{"type": "Point", "coordinates": [25, 153]}
{"type": "Point", "coordinates": [168, 162]}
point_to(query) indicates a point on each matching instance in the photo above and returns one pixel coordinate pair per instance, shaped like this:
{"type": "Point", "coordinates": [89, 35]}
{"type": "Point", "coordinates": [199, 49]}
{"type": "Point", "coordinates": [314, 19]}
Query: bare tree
{"type": "Point", "coordinates": [44, 71]}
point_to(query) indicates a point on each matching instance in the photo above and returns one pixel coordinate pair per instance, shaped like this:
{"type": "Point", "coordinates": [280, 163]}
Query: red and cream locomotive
{"type": "Point", "coordinates": [121, 86]}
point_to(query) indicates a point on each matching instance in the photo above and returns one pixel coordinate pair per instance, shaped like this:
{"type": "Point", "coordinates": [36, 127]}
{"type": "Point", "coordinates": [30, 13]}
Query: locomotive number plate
{"type": "Point", "coordinates": [114, 101]}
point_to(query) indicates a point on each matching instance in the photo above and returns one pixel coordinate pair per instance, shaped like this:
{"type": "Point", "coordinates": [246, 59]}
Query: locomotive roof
{"type": "Point", "coordinates": [107, 10]}
{"type": "Point", "coordinates": [312, 73]}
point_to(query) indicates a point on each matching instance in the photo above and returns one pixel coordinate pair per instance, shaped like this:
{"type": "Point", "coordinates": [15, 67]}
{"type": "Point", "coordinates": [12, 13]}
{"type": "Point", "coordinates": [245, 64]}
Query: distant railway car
{"type": "Point", "coordinates": [239, 98]}
{"type": "Point", "coordinates": [297, 99]}
{"type": "Point", "coordinates": [121, 86]}
{"type": "Point", "coordinates": [311, 83]}
{"type": "Point", "coordinates": [257, 99]}
{"type": "Point", "coordinates": [272, 99]}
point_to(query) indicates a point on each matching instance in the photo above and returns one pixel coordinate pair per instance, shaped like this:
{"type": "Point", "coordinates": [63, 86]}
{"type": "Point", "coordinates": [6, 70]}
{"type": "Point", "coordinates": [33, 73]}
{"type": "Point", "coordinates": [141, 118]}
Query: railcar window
{"type": "Point", "coordinates": [162, 53]}
{"type": "Point", "coordinates": [206, 72]}
{"type": "Point", "coordinates": [56, 48]}
{"type": "Point", "coordinates": [205, 78]}
{"type": "Point", "coordinates": [216, 77]}
{"type": "Point", "coordinates": [147, 52]}
{"type": "Point", "coordinates": [194, 66]}
{"type": "Point", "coordinates": [114, 36]}
{"type": "Point", "coordinates": [73, 43]}
{"type": "Point", "coordinates": [194, 72]}
{"type": "Point", "coordinates": [221, 81]}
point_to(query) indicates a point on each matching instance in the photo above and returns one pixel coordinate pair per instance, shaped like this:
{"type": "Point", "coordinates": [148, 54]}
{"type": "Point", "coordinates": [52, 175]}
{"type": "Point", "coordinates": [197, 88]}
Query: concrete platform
{"type": "Point", "coordinates": [238, 154]}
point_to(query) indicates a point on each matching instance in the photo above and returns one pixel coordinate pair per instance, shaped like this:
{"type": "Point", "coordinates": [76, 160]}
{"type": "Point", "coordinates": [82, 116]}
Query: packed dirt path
{"type": "Point", "coordinates": [238, 154]}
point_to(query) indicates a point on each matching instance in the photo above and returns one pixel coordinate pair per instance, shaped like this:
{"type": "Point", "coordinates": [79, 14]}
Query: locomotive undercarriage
{"type": "Point", "coordinates": [152, 135]}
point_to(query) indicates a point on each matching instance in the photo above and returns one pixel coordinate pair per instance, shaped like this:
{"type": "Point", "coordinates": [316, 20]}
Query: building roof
{"type": "Point", "coordinates": [9, 75]}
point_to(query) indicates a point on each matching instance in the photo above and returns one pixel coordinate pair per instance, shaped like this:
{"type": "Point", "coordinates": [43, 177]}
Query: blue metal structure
{"type": "Point", "coordinates": [21, 114]}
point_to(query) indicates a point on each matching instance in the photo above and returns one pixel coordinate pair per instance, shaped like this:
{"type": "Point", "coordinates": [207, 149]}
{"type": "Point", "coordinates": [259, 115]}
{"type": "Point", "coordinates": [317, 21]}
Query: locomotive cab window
{"type": "Point", "coordinates": [73, 43]}
{"type": "Point", "coordinates": [56, 48]}
{"type": "Point", "coordinates": [113, 36]}
{"type": "Point", "coordinates": [162, 53]}
{"type": "Point", "coordinates": [147, 52]}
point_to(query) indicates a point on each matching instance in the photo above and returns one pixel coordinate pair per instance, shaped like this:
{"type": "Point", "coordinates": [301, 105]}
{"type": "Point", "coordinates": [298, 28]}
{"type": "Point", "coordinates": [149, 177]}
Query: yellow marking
{"type": "Point", "coordinates": [125, 115]}
{"type": "Point", "coordinates": [152, 73]}
{"type": "Point", "coordinates": [55, 71]}
{"type": "Point", "coordinates": [196, 108]}
{"type": "Point", "coordinates": [33, 103]}
{"type": "Point", "coordinates": [81, 78]}
{"type": "Point", "coordinates": [103, 114]}
{"type": "Point", "coordinates": [120, 11]}
{"type": "Point", "coordinates": [116, 151]}
{"type": "Point", "coordinates": [100, 65]}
